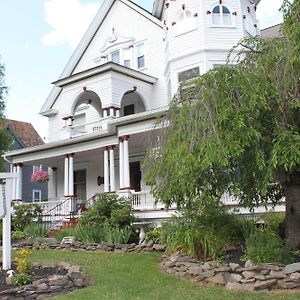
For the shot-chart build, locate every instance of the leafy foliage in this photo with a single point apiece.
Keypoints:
(25, 215)
(108, 210)
(100, 234)
(203, 231)
(22, 279)
(23, 261)
(238, 132)
(4, 137)
(264, 246)
(35, 231)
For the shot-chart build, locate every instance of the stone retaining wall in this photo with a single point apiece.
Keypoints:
(50, 286)
(104, 247)
(233, 276)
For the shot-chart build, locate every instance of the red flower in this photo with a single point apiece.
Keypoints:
(40, 176)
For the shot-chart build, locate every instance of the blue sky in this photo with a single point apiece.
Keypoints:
(37, 37)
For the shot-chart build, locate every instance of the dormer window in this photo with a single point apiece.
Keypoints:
(140, 56)
(185, 22)
(115, 57)
(221, 15)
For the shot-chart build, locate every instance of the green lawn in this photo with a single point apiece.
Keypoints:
(137, 276)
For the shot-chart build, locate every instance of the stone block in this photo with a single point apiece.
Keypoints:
(260, 285)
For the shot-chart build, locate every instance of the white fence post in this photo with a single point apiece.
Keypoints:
(5, 198)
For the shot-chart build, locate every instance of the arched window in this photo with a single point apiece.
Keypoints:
(185, 22)
(221, 15)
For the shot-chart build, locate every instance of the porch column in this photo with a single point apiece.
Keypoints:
(121, 163)
(106, 171)
(71, 175)
(126, 163)
(19, 182)
(14, 183)
(118, 112)
(112, 169)
(111, 112)
(52, 184)
(104, 113)
(66, 176)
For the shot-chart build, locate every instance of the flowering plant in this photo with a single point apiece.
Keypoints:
(40, 176)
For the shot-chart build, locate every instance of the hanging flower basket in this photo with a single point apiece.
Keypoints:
(40, 176)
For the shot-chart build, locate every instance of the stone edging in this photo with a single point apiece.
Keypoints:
(264, 277)
(50, 286)
(104, 247)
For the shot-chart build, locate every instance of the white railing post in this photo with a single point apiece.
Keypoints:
(5, 198)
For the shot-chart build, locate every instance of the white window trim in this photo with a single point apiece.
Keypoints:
(136, 56)
(40, 194)
(186, 69)
(233, 20)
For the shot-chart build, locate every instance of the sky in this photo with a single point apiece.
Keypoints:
(37, 38)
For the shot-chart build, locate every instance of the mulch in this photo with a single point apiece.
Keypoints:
(38, 272)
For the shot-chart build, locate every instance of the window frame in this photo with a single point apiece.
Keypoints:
(40, 195)
(140, 56)
(221, 14)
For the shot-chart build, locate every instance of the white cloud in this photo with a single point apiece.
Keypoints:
(69, 20)
(268, 13)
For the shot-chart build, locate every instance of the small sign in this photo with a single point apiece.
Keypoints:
(3, 208)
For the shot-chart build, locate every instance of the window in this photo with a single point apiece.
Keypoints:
(188, 74)
(127, 57)
(36, 195)
(129, 110)
(80, 184)
(221, 16)
(185, 22)
(140, 56)
(37, 168)
(115, 57)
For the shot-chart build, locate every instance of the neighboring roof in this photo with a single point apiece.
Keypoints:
(86, 40)
(23, 132)
(271, 32)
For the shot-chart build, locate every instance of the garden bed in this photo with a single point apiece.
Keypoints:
(48, 280)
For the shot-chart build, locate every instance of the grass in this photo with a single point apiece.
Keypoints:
(138, 277)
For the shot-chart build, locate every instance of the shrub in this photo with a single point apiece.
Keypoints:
(23, 261)
(108, 210)
(272, 221)
(22, 279)
(18, 235)
(204, 230)
(265, 246)
(26, 214)
(35, 231)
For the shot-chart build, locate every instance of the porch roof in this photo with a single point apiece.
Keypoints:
(108, 67)
(140, 122)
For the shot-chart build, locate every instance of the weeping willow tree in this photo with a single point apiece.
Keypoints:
(238, 131)
(4, 138)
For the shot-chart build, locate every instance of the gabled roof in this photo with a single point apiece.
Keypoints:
(86, 40)
(24, 133)
(271, 32)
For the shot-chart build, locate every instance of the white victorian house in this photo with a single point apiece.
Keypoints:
(103, 108)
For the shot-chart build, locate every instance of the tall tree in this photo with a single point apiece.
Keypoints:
(238, 131)
(4, 137)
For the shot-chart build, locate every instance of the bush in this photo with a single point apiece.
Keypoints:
(25, 215)
(23, 261)
(272, 221)
(108, 210)
(35, 231)
(22, 279)
(18, 235)
(100, 234)
(265, 246)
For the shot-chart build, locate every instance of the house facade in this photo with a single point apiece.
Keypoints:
(23, 135)
(102, 110)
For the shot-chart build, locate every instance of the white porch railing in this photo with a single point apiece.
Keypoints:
(145, 200)
(89, 127)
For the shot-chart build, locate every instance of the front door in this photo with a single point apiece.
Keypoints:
(80, 184)
(135, 176)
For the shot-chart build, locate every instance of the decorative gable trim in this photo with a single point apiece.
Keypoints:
(86, 40)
